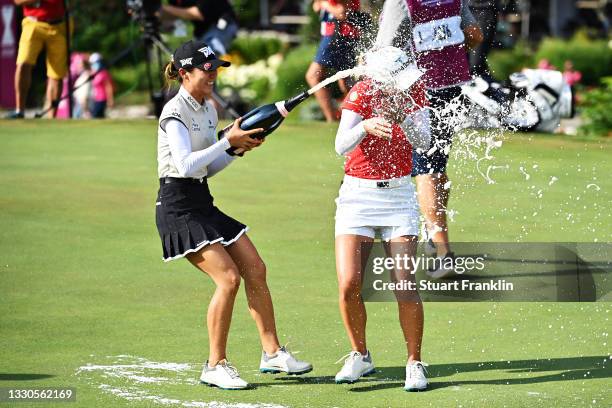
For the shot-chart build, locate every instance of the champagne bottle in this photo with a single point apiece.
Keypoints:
(269, 117)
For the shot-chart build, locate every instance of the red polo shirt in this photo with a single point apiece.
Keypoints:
(48, 10)
(376, 158)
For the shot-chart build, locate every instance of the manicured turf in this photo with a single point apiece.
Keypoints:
(82, 280)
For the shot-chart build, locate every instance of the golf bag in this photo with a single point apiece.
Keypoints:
(534, 99)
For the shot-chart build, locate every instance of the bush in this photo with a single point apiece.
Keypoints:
(311, 32)
(593, 58)
(247, 11)
(250, 82)
(129, 78)
(290, 74)
(505, 62)
(596, 107)
(252, 48)
(102, 26)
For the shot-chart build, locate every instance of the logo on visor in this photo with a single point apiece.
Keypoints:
(186, 61)
(206, 51)
(207, 66)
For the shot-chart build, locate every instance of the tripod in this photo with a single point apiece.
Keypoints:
(154, 48)
(153, 43)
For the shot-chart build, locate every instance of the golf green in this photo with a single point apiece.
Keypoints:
(87, 303)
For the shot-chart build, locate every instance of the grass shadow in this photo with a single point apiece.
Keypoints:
(572, 368)
(292, 379)
(23, 376)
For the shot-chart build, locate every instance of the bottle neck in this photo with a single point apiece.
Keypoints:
(291, 103)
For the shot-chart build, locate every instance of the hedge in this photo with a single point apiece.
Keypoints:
(593, 58)
(291, 73)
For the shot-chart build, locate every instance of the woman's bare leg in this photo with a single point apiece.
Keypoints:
(351, 253)
(253, 271)
(410, 306)
(433, 200)
(217, 263)
(314, 75)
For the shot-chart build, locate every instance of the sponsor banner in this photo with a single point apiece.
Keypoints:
(8, 53)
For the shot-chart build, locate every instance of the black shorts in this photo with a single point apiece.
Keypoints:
(98, 109)
(336, 52)
(441, 134)
(187, 220)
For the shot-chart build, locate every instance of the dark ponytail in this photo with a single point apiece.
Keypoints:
(171, 74)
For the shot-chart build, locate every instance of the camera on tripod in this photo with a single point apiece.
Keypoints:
(145, 13)
(143, 9)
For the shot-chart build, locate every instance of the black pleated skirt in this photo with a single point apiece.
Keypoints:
(187, 220)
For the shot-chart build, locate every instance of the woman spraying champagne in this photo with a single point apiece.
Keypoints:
(191, 226)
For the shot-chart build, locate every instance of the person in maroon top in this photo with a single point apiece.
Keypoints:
(439, 33)
(43, 27)
(383, 119)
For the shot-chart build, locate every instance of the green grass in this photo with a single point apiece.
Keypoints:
(82, 279)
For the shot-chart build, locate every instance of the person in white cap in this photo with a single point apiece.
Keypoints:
(383, 119)
(101, 87)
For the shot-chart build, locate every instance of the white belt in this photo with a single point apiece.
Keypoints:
(367, 183)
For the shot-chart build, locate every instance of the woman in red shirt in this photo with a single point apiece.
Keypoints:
(383, 119)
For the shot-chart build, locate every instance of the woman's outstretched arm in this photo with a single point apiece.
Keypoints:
(188, 163)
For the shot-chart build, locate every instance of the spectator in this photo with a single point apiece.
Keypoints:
(486, 13)
(571, 76)
(79, 69)
(43, 27)
(545, 64)
(214, 21)
(336, 50)
(82, 91)
(102, 87)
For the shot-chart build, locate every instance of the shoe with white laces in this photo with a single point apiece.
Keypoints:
(223, 375)
(356, 365)
(443, 266)
(283, 361)
(415, 376)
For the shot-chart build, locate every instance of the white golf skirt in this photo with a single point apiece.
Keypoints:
(387, 208)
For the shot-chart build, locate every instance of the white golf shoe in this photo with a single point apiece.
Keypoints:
(223, 375)
(356, 365)
(445, 266)
(283, 361)
(415, 376)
